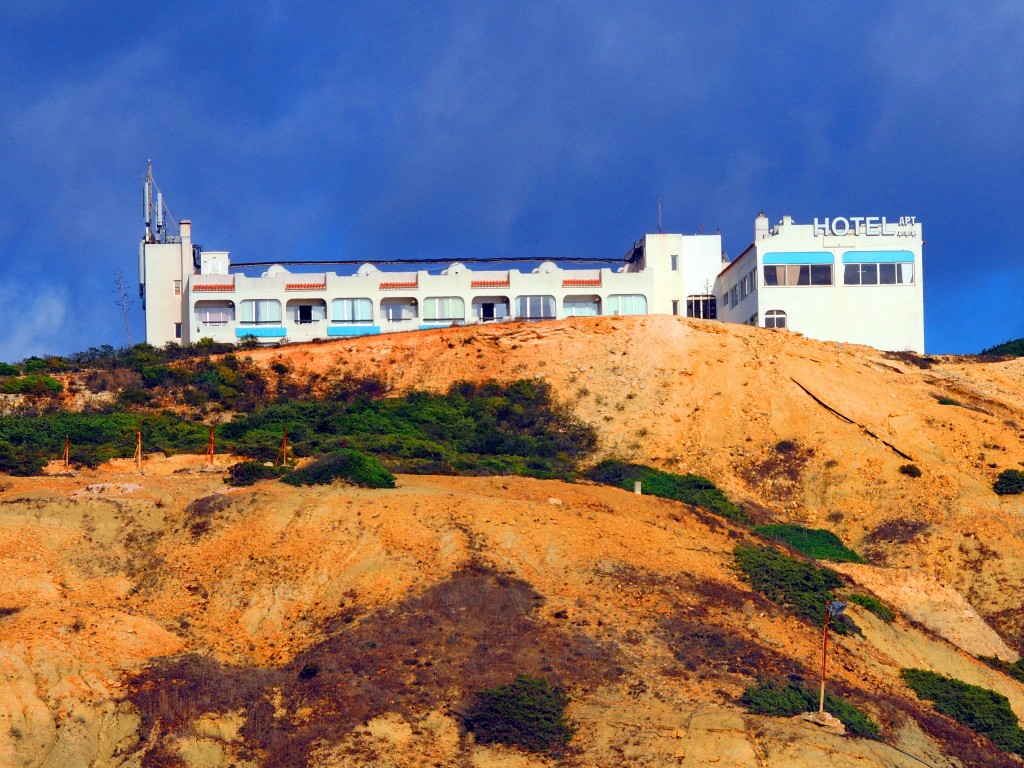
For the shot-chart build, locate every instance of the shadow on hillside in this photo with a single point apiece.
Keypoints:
(478, 629)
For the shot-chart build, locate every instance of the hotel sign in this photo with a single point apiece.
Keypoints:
(865, 225)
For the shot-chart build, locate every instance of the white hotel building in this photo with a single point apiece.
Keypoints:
(835, 280)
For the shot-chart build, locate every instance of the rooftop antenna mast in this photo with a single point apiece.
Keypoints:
(153, 203)
(659, 215)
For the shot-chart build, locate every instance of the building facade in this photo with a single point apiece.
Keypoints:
(859, 282)
(855, 279)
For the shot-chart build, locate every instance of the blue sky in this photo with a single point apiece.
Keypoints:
(351, 129)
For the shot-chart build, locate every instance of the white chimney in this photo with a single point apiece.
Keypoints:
(760, 227)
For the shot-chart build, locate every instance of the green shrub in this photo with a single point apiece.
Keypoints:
(910, 470)
(802, 586)
(1009, 483)
(33, 384)
(873, 604)
(348, 465)
(1014, 669)
(20, 461)
(948, 401)
(6, 369)
(980, 709)
(690, 489)
(527, 713)
(1014, 348)
(248, 472)
(813, 542)
(792, 699)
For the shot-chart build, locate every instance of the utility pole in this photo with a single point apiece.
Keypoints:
(832, 610)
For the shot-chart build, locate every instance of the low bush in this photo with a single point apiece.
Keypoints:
(948, 401)
(527, 713)
(910, 470)
(786, 446)
(980, 709)
(248, 472)
(6, 369)
(873, 604)
(791, 699)
(347, 465)
(1009, 483)
(690, 489)
(813, 542)
(1014, 670)
(32, 384)
(801, 586)
(20, 461)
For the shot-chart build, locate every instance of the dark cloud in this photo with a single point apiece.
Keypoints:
(495, 129)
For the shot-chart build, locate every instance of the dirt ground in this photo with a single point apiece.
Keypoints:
(632, 602)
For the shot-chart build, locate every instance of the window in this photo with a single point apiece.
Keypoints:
(177, 289)
(581, 306)
(261, 312)
(725, 299)
(214, 312)
(733, 301)
(177, 330)
(675, 263)
(704, 307)
(351, 311)
(535, 307)
(878, 274)
(397, 310)
(797, 274)
(774, 318)
(627, 304)
(752, 280)
(743, 288)
(675, 306)
(444, 308)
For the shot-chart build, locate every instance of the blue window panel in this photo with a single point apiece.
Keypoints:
(260, 331)
(798, 257)
(353, 330)
(877, 257)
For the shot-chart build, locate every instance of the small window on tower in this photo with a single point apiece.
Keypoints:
(177, 288)
(675, 263)
(177, 330)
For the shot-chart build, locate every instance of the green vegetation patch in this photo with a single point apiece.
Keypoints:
(249, 472)
(813, 542)
(797, 584)
(347, 465)
(1014, 670)
(792, 699)
(910, 470)
(690, 489)
(474, 429)
(32, 384)
(1013, 348)
(528, 712)
(873, 604)
(1009, 483)
(980, 709)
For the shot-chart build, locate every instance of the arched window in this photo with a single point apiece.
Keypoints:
(774, 318)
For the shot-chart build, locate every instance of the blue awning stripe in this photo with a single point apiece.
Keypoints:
(879, 257)
(798, 257)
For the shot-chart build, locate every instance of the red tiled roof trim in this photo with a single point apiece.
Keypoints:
(489, 284)
(214, 287)
(393, 285)
(580, 283)
(306, 286)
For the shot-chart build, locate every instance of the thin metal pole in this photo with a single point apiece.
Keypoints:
(824, 659)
